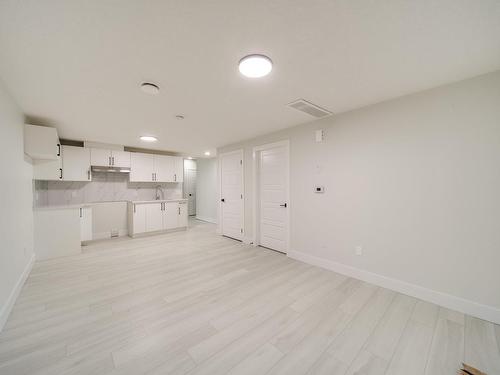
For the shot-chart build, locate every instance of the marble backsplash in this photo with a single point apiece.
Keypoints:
(104, 187)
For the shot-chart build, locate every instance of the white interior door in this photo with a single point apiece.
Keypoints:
(231, 170)
(273, 193)
(190, 190)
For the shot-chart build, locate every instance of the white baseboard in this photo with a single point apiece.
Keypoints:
(7, 308)
(449, 301)
(207, 219)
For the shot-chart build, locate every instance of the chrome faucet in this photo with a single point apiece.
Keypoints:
(159, 190)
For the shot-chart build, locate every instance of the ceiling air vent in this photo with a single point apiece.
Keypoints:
(309, 108)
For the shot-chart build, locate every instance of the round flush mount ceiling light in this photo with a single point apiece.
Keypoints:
(148, 138)
(179, 117)
(207, 153)
(255, 66)
(150, 88)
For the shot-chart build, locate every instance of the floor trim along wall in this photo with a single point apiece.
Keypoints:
(478, 310)
(207, 219)
(7, 308)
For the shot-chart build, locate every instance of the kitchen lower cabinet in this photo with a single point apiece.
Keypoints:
(85, 223)
(171, 216)
(156, 216)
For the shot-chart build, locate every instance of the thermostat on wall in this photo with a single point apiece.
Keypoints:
(319, 189)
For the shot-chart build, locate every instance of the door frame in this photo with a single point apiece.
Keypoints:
(241, 153)
(256, 190)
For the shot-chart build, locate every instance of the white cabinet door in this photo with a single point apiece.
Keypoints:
(231, 193)
(141, 167)
(138, 218)
(178, 169)
(85, 223)
(47, 170)
(164, 168)
(100, 157)
(41, 142)
(154, 217)
(171, 215)
(183, 214)
(76, 163)
(120, 159)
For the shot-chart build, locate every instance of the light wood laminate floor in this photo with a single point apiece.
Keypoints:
(197, 303)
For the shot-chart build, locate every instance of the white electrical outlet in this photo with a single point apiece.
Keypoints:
(359, 250)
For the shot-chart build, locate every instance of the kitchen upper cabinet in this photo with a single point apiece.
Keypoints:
(141, 167)
(109, 158)
(75, 163)
(155, 168)
(178, 169)
(48, 170)
(120, 159)
(41, 142)
(164, 168)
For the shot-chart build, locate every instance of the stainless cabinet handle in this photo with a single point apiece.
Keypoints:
(134, 208)
(112, 160)
(81, 212)
(179, 210)
(58, 149)
(60, 173)
(88, 175)
(175, 177)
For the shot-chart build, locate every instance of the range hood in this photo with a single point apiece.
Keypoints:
(110, 169)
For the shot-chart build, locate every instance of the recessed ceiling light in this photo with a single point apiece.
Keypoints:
(190, 157)
(207, 153)
(150, 88)
(179, 117)
(148, 138)
(255, 66)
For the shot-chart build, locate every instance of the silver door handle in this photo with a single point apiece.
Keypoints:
(283, 205)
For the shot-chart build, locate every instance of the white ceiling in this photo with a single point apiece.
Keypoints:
(78, 64)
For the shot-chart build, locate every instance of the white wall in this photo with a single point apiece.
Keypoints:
(206, 190)
(415, 181)
(16, 200)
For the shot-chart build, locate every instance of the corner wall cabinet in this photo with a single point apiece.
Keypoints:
(41, 142)
(156, 216)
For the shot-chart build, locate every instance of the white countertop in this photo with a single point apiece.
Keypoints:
(81, 205)
(62, 207)
(159, 201)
